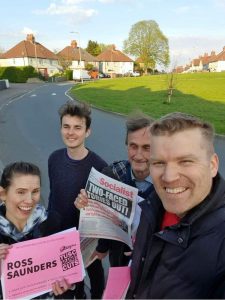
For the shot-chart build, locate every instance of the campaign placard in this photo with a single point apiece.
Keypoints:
(32, 266)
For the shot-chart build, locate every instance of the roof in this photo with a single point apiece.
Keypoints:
(196, 62)
(73, 53)
(139, 60)
(29, 48)
(111, 54)
(220, 56)
(209, 58)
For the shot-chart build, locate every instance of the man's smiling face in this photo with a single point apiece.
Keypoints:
(182, 169)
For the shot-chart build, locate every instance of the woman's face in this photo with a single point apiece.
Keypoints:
(21, 198)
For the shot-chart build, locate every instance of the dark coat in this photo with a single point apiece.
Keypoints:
(186, 260)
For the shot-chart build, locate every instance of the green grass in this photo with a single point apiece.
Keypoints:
(200, 94)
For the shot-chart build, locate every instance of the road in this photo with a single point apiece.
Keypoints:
(30, 130)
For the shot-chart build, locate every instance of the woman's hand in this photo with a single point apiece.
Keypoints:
(60, 287)
(4, 250)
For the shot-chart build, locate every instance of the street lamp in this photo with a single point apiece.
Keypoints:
(81, 77)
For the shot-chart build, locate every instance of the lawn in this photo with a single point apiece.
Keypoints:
(200, 94)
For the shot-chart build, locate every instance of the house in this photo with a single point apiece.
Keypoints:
(217, 63)
(114, 62)
(75, 57)
(31, 53)
(178, 69)
(196, 65)
(140, 62)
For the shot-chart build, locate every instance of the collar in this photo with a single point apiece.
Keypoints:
(202, 218)
(7, 228)
(147, 179)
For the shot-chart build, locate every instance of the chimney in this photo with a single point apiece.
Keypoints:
(206, 54)
(31, 38)
(74, 44)
(213, 53)
(224, 48)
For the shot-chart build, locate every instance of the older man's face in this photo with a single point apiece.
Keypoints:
(138, 147)
(182, 169)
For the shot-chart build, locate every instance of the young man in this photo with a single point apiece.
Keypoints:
(184, 258)
(134, 172)
(68, 172)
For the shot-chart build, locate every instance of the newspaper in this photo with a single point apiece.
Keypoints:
(110, 211)
(88, 246)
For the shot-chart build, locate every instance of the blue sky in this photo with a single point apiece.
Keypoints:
(193, 27)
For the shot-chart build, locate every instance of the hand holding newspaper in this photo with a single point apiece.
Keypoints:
(111, 209)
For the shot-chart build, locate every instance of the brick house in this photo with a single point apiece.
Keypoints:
(114, 62)
(75, 57)
(31, 53)
(217, 63)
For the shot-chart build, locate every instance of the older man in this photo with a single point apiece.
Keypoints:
(134, 172)
(183, 256)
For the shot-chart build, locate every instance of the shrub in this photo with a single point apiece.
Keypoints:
(17, 74)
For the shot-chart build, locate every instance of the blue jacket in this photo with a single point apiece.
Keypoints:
(186, 260)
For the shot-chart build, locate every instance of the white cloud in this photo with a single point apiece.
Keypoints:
(27, 30)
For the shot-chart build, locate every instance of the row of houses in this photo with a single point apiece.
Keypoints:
(208, 62)
(31, 53)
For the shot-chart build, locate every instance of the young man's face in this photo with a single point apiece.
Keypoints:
(138, 147)
(182, 169)
(74, 132)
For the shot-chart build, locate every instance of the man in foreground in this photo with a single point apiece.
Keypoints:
(183, 257)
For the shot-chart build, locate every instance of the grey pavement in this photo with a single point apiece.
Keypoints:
(16, 90)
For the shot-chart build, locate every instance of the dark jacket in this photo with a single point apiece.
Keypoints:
(186, 260)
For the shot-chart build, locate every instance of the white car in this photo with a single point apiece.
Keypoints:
(134, 74)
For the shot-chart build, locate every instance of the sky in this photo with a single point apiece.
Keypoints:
(193, 27)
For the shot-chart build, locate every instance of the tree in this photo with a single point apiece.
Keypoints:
(147, 42)
(93, 48)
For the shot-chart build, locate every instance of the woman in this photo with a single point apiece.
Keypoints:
(21, 217)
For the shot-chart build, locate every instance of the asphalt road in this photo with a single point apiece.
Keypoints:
(29, 128)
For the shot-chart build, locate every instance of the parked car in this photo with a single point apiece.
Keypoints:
(104, 75)
(132, 74)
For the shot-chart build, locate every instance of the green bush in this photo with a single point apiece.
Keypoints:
(17, 74)
(69, 74)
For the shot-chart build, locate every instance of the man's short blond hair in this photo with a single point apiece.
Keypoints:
(177, 122)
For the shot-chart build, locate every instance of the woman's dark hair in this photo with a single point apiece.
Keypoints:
(23, 168)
